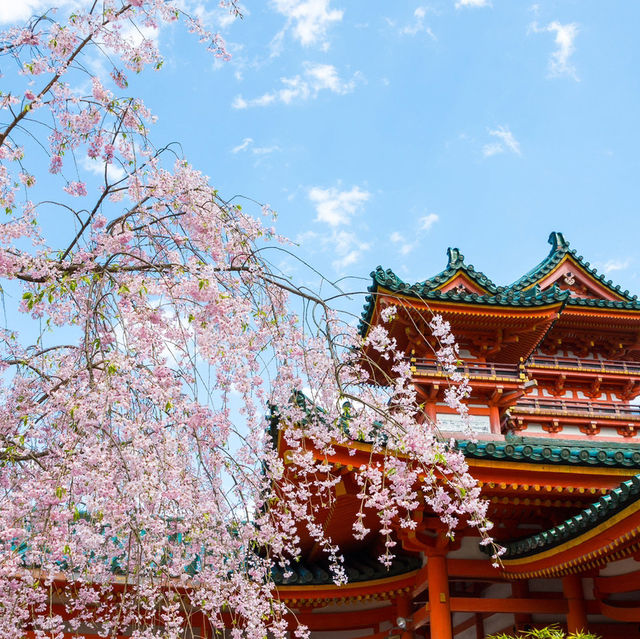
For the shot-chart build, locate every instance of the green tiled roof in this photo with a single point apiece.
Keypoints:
(457, 265)
(512, 295)
(359, 567)
(560, 248)
(425, 291)
(598, 512)
(555, 452)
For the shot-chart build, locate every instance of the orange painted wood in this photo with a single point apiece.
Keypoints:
(347, 620)
(520, 589)
(530, 605)
(403, 610)
(439, 601)
(577, 613)
(620, 614)
(420, 617)
(302, 593)
(473, 568)
(619, 583)
(580, 549)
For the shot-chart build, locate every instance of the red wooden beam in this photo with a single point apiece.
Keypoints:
(343, 620)
(420, 617)
(620, 614)
(530, 605)
(618, 583)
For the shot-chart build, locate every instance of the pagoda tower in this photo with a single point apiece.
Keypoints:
(554, 365)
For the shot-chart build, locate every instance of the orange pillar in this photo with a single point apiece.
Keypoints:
(494, 419)
(479, 622)
(520, 590)
(439, 607)
(430, 410)
(403, 609)
(577, 615)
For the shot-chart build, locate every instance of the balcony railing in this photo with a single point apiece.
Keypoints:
(584, 365)
(576, 408)
(474, 370)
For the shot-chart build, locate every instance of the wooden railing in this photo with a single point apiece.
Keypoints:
(586, 365)
(470, 369)
(577, 407)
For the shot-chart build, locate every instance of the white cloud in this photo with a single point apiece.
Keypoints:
(239, 102)
(424, 224)
(21, 10)
(427, 221)
(560, 60)
(315, 78)
(308, 20)
(348, 248)
(245, 144)
(135, 35)
(264, 150)
(472, 3)
(616, 265)
(506, 142)
(336, 207)
(404, 247)
(418, 24)
(248, 145)
(96, 166)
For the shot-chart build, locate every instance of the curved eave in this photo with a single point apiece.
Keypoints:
(384, 588)
(550, 453)
(607, 529)
(387, 283)
(632, 306)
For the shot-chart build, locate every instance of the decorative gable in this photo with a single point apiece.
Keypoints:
(462, 285)
(568, 271)
(571, 276)
(461, 278)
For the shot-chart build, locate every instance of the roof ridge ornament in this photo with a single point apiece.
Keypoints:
(456, 258)
(557, 241)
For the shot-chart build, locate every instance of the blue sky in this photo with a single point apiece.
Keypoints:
(383, 132)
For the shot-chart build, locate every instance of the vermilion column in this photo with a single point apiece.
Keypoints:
(577, 615)
(520, 589)
(430, 410)
(494, 419)
(439, 607)
(403, 609)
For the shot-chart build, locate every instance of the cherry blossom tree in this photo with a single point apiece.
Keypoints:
(147, 345)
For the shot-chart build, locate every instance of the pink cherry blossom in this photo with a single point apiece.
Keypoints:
(149, 360)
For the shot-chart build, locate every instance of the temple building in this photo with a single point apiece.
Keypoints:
(554, 365)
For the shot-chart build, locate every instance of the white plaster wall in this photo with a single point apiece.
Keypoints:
(619, 567)
(469, 549)
(498, 622)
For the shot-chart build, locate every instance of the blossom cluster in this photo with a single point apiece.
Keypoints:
(141, 483)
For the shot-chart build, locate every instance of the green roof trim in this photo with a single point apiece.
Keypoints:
(388, 280)
(513, 295)
(455, 265)
(554, 452)
(598, 512)
(559, 248)
(359, 567)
